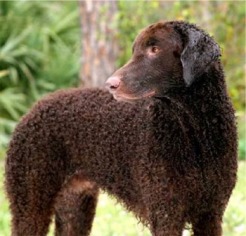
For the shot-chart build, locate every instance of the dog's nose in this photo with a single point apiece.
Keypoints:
(112, 83)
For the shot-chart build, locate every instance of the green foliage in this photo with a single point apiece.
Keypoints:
(242, 137)
(39, 51)
(242, 149)
(234, 220)
(12, 105)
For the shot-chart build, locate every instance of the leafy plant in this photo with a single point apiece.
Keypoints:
(12, 105)
(39, 53)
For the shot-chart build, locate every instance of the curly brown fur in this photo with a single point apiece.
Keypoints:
(170, 157)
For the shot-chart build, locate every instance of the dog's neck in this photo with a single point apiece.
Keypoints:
(204, 98)
(209, 89)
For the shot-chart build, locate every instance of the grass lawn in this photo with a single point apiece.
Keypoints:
(112, 220)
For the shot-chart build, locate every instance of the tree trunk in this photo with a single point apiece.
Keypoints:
(99, 41)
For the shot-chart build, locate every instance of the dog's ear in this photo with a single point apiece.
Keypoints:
(200, 50)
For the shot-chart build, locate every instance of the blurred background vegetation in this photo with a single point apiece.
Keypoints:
(40, 51)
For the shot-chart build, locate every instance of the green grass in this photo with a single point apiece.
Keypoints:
(112, 220)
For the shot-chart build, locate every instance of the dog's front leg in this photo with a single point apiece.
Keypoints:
(164, 205)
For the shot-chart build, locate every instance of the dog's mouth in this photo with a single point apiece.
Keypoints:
(132, 97)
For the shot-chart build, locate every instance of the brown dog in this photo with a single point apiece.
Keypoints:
(170, 157)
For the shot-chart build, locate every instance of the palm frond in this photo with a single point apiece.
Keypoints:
(12, 103)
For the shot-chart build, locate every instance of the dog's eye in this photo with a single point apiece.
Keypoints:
(154, 49)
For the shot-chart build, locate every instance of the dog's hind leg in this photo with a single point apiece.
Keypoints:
(32, 193)
(34, 174)
(75, 208)
(165, 220)
(208, 224)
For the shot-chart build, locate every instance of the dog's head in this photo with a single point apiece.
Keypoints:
(165, 56)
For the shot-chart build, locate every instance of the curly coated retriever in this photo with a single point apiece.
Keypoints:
(170, 155)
